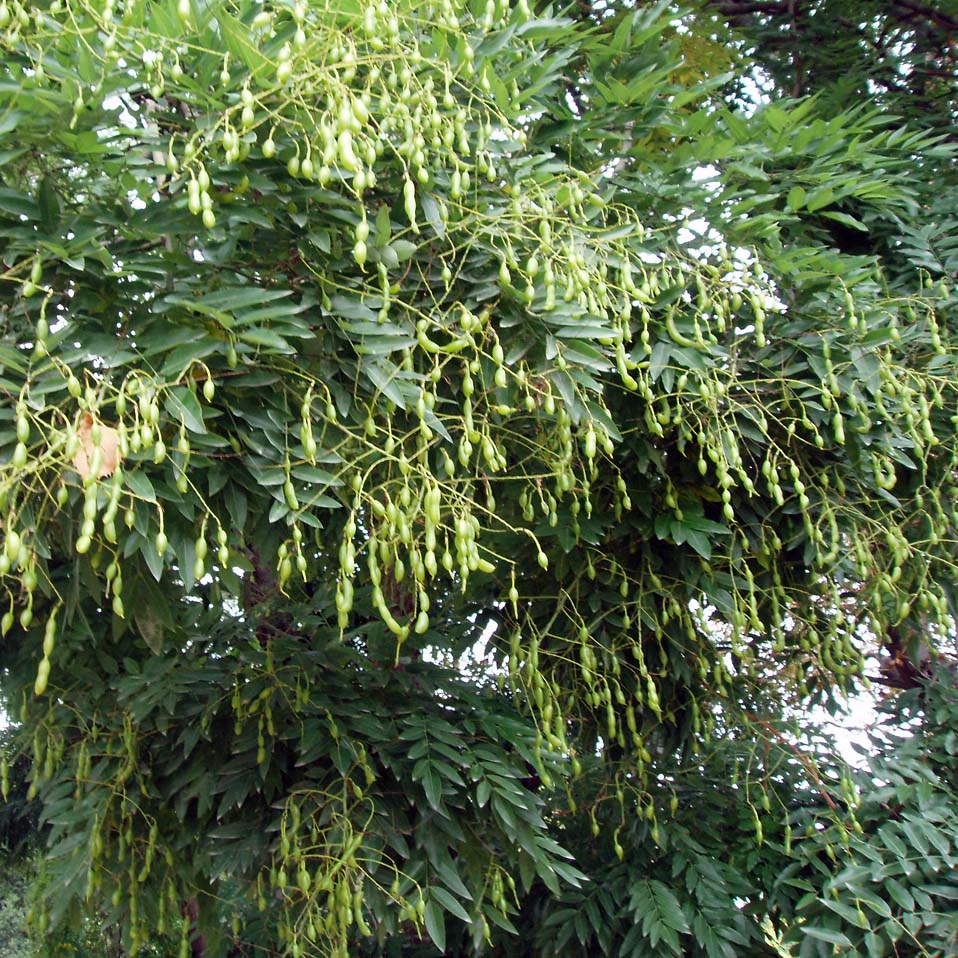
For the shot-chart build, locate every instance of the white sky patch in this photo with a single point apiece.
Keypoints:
(851, 728)
(476, 658)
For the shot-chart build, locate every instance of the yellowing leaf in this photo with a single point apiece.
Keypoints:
(85, 457)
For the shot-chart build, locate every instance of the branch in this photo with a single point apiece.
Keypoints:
(915, 8)
(807, 763)
(905, 10)
(737, 8)
(797, 66)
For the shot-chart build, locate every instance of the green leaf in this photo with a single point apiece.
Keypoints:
(796, 198)
(894, 844)
(916, 835)
(267, 338)
(435, 922)
(185, 407)
(446, 869)
(383, 227)
(936, 837)
(238, 40)
(669, 907)
(403, 249)
(430, 209)
(139, 484)
(942, 891)
(449, 903)
(432, 786)
(850, 914)
(661, 354)
(150, 613)
(819, 198)
(154, 561)
(49, 202)
(829, 935)
(19, 204)
(900, 894)
(846, 220)
(699, 542)
(706, 937)
(878, 905)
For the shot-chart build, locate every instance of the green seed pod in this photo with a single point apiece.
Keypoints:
(49, 636)
(345, 153)
(409, 204)
(43, 676)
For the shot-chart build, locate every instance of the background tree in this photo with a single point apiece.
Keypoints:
(337, 340)
(897, 56)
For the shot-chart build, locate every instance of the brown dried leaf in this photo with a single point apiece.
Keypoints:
(109, 449)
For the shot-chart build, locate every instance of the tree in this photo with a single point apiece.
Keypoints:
(896, 55)
(339, 339)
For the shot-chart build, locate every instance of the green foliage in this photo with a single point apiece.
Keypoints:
(18, 814)
(341, 338)
(23, 880)
(340, 777)
(884, 881)
(895, 59)
(13, 908)
(774, 860)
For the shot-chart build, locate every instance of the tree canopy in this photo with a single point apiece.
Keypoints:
(447, 450)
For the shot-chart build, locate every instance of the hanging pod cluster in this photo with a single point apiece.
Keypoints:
(588, 328)
(818, 509)
(67, 455)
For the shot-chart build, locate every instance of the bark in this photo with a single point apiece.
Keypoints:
(197, 939)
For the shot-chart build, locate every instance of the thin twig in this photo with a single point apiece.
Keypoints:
(807, 763)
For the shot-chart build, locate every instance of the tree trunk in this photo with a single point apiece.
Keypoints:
(197, 940)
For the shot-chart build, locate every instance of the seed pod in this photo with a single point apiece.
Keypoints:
(345, 153)
(409, 203)
(49, 635)
(43, 675)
